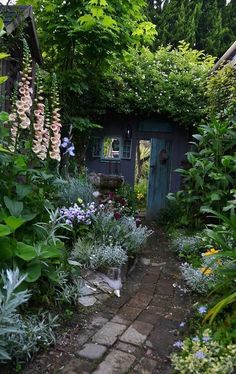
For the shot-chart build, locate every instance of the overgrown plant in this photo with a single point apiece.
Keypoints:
(211, 173)
(20, 336)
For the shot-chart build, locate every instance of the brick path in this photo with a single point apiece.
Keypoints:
(131, 334)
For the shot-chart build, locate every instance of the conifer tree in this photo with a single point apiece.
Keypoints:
(208, 25)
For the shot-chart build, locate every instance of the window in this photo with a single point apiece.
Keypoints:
(127, 149)
(111, 148)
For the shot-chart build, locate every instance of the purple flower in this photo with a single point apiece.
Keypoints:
(202, 309)
(178, 344)
(200, 354)
(195, 339)
(206, 338)
(65, 142)
(71, 150)
(182, 324)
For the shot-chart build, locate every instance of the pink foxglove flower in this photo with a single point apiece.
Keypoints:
(55, 124)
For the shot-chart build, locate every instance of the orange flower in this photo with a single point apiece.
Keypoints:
(210, 252)
(206, 271)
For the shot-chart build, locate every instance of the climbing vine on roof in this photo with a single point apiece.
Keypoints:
(168, 81)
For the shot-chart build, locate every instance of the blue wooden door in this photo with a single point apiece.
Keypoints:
(159, 176)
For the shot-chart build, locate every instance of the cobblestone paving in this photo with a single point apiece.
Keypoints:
(131, 334)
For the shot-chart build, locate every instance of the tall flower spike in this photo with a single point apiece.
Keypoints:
(19, 117)
(55, 140)
(41, 133)
(24, 102)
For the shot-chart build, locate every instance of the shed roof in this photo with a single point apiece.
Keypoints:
(13, 15)
(229, 55)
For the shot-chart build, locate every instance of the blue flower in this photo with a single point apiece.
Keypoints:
(182, 324)
(71, 150)
(65, 142)
(206, 338)
(178, 344)
(195, 339)
(202, 309)
(200, 354)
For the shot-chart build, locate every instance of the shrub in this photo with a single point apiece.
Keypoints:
(123, 232)
(72, 189)
(82, 251)
(21, 336)
(105, 256)
(211, 173)
(203, 354)
(198, 280)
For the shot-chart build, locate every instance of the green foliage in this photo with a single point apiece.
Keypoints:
(168, 81)
(79, 41)
(20, 336)
(224, 237)
(221, 92)
(210, 176)
(204, 355)
(206, 25)
(10, 300)
(74, 188)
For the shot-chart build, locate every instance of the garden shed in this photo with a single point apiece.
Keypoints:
(113, 152)
(19, 23)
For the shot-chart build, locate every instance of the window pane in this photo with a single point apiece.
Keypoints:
(111, 148)
(127, 148)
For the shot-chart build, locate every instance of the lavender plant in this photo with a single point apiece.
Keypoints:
(123, 232)
(184, 244)
(71, 189)
(10, 300)
(76, 214)
(105, 256)
(197, 280)
(21, 336)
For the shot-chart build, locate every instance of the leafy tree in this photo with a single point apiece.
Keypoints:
(169, 81)
(221, 92)
(80, 39)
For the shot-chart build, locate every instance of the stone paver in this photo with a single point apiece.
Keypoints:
(116, 362)
(126, 347)
(76, 366)
(137, 333)
(163, 336)
(129, 313)
(108, 334)
(132, 334)
(87, 300)
(140, 300)
(92, 351)
(145, 366)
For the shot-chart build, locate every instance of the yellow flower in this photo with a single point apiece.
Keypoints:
(140, 196)
(210, 252)
(206, 271)
(79, 200)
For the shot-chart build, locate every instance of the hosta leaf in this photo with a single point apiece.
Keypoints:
(25, 251)
(14, 222)
(34, 272)
(4, 230)
(23, 190)
(15, 207)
